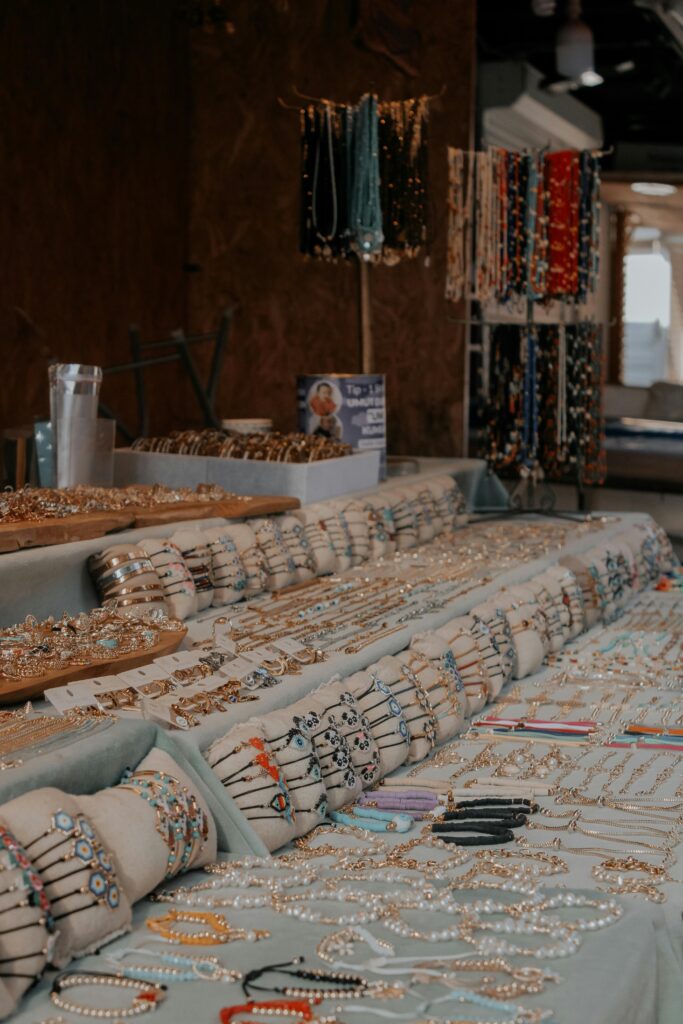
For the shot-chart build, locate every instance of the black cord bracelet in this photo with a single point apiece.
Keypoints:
(501, 836)
(495, 801)
(485, 814)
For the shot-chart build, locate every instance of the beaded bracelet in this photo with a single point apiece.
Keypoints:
(149, 994)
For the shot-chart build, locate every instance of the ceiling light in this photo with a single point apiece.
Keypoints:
(590, 78)
(624, 66)
(543, 8)
(653, 188)
(574, 44)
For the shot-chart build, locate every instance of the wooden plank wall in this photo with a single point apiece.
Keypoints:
(301, 316)
(94, 111)
(133, 146)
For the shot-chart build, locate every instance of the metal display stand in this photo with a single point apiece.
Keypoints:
(181, 345)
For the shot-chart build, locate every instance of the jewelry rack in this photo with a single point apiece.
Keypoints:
(365, 339)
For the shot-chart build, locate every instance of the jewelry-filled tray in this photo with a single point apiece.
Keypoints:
(27, 687)
(33, 533)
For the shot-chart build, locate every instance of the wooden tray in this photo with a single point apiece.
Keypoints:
(41, 532)
(88, 525)
(14, 690)
(231, 508)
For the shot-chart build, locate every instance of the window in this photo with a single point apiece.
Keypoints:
(647, 315)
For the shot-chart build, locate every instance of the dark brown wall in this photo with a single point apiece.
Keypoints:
(131, 145)
(301, 316)
(93, 171)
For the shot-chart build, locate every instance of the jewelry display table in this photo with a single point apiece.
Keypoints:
(592, 694)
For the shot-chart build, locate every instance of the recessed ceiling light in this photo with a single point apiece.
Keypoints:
(653, 188)
(590, 78)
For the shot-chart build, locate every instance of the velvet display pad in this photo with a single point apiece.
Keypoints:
(26, 941)
(246, 766)
(635, 539)
(325, 517)
(279, 566)
(293, 747)
(194, 547)
(383, 712)
(179, 589)
(322, 721)
(90, 906)
(228, 573)
(493, 618)
(297, 545)
(336, 699)
(313, 519)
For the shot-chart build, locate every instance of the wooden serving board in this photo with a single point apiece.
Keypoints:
(231, 508)
(41, 532)
(15, 690)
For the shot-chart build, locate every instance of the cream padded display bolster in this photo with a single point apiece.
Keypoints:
(179, 588)
(337, 697)
(58, 837)
(279, 566)
(436, 691)
(298, 547)
(404, 519)
(523, 596)
(321, 720)
(132, 579)
(553, 583)
(355, 519)
(380, 528)
(421, 503)
(196, 553)
(549, 606)
(318, 538)
(228, 572)
(591, 610)
(495, 619)
(26, 940)
(477, 659)
(135, 831)
(251, 556)
(449, 502)
(243, 762)
(296, 755)
(529, 649)
(383, 712)
(321, 519)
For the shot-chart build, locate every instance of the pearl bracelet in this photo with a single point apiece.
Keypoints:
(149, 995)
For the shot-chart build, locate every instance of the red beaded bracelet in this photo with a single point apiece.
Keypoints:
(302, 1008)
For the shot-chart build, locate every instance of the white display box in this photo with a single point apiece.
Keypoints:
(309, 481)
